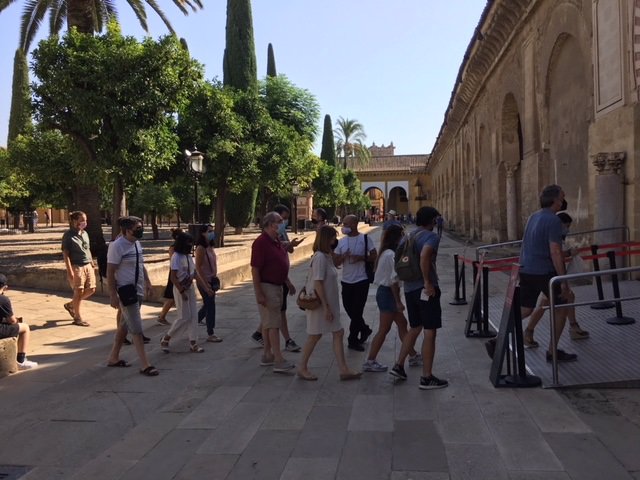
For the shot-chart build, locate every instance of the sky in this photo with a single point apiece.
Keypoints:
(389, 64)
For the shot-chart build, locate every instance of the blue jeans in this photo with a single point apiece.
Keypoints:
(208, 310)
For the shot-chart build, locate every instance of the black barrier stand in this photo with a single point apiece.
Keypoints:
(619, 319)
(479, 301)
(459, 275)
(511, 331)
(596, 268)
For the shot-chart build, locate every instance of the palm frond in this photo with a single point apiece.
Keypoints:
(160, 13)
(57, 16)
(141, 14)
(5, 3)
(32, 15)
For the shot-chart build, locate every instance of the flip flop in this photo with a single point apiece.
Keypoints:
(81, 323)
(309, 377)
(69, 308)
(119, 363)
(150, 371)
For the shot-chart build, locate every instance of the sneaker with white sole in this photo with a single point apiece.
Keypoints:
(27, 365)
(415, 360)
(373, 366)
(257, 338)
(291, 346)
(398, 372)
(431, 383)
(283, 366)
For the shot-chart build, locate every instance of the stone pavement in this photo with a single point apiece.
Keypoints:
(218, 415)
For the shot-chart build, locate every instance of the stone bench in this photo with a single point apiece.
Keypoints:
(8, 353)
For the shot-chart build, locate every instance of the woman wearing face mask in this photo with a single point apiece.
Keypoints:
(207, 271)
(389, 301)
(169, 303)
(182, 274)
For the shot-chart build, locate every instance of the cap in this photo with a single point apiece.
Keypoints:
(3, 280)
(391, 212)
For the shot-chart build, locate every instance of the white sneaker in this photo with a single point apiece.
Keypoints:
(27, 365)
(374, 366)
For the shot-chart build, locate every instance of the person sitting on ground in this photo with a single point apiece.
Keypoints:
(575, 332)
(12, 326)
(389, 301)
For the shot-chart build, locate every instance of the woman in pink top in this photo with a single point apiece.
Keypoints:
(207, 270)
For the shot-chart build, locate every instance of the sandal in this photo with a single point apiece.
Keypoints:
(80, 323)
(195, 348)
(576, 333)
(307, 376)
(150, 371)
(69, 308)
(350, 376)
(119, 363)
(164, 345)
(214, 339)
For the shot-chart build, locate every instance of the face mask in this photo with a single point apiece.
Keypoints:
(211, 236)
(282, 228)
(563, 206)
(82, 225)
(138, 232)
(314, 220)
(346, 230)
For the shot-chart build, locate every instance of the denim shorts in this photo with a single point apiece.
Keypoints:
(385, 299)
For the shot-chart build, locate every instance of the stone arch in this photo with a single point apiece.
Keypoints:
(512, 152)
(398, 200)
(569, 113)
(377, 198)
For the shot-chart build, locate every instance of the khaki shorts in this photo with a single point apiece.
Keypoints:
(83, 277)
(270, 316)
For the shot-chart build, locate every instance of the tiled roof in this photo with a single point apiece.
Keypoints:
(410, 163)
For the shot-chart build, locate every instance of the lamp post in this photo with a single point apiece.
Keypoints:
(195, 164)
(295, 189)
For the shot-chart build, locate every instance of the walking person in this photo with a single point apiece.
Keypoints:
(128, 283)
(270, 272)
(350, 253)
(208, 282)
(389, 301)
(169, 302)
(323, 280)
(439, 224)
(79, 264)
(422, 298)
(183, 272)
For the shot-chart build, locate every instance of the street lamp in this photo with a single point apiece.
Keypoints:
(295, 189)
(195, 163)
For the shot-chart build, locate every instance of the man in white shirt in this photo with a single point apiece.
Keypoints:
(350, 253)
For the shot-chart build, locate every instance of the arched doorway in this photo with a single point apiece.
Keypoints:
(376, 196)
(512, 152)
(398, 201)
(569, 119)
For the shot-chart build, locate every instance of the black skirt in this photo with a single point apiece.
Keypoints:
(168, 290)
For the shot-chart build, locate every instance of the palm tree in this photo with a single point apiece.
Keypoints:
(350, 142)
(87, 16)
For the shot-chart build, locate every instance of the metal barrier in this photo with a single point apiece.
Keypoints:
(552, 306)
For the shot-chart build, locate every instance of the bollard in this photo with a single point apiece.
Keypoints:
(458, 300)
(464, 282)
(619, 319)
(596, 268)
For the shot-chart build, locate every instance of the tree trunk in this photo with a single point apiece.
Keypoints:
(80, 14)
(154, 224)
(219, 220)
(119, 205)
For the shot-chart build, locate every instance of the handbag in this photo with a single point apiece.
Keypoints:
(128, 294)
(215, 281)
(368, 266)
(305, 300)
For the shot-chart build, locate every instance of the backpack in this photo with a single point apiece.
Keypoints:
(407, 260)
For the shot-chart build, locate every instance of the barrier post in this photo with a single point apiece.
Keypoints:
(463, 275)
(596, 268)
(619, 319)
(458, 300)
(485, 299)
(474, 315)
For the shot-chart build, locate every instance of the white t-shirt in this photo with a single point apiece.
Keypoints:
(385, 271)
(184, 267)
(353, 272)
(122, 253)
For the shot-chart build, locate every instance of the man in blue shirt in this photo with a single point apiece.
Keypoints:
(423, 303)
(541, 258)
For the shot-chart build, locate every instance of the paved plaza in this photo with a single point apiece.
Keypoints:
(219, 415)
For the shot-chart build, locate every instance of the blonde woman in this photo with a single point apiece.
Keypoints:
(323, 279)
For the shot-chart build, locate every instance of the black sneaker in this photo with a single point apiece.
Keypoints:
(257, 337)
(145, 339)
(365, 334)
(398, 372)
(355, 346)
(562, 356)
(431, 383)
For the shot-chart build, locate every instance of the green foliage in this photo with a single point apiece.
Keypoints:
(329, 187)
(351, 139)
(240, 207)
(115, 97)
(152, 197)
(13, 191)
(239, 62)
(328, 152)
(355, 201)
(20, 113)
(271, 62)
(293, 106)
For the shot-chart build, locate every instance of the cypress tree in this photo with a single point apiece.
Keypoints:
(271, 62)
(240, 71)
(20, 114)
(328, 152)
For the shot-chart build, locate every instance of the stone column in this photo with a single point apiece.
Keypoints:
(512, 205)
(609, 200)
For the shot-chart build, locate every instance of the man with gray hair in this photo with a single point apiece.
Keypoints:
(270, 273)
